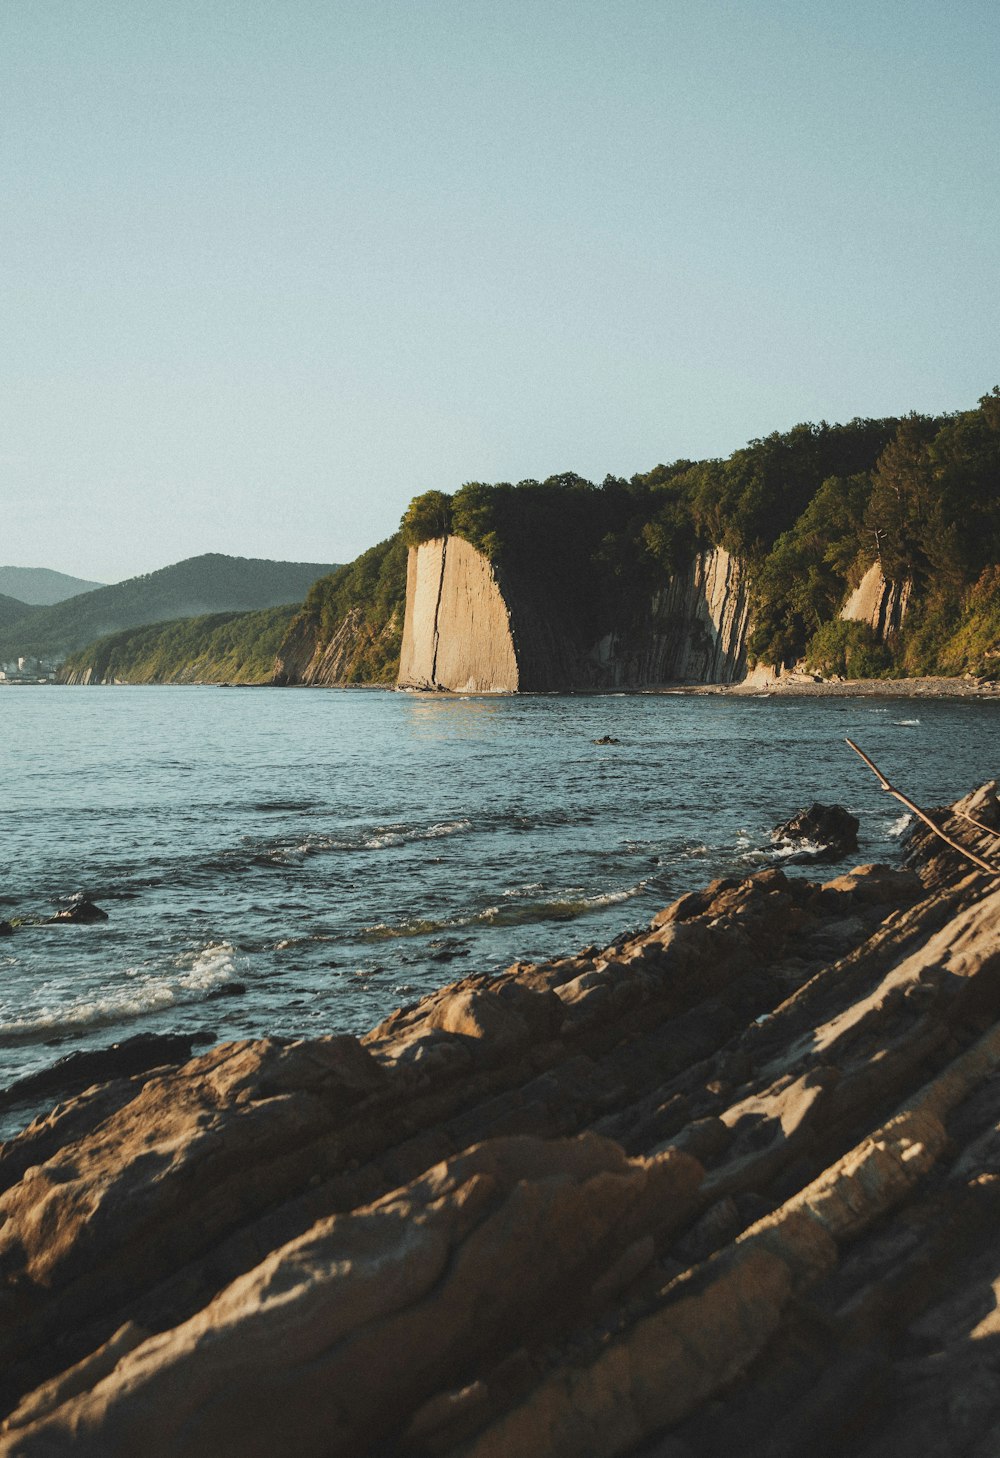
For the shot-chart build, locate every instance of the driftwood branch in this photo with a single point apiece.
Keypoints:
(922, 814)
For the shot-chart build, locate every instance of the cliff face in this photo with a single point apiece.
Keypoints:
(473, 629)
(457, 632)
(880, 604)
(697, 631)
(306, 657)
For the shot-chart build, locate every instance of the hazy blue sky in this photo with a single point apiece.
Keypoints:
(269, 269)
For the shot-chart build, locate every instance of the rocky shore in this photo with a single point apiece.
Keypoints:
(730, 1184)
(807, 686)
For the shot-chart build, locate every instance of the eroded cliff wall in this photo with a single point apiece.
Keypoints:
(473, 629)
(308, 657)
(696, 633)
(457, 631)
(880, 604)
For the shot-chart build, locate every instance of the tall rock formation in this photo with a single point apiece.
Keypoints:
(697, 630)
(457, 631)
(472, 627)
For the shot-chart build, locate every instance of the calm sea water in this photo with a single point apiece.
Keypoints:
(341, 852)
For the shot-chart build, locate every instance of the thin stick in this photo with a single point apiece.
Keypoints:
(898, 794)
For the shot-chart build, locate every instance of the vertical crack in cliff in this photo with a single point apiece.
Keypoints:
(437, 612)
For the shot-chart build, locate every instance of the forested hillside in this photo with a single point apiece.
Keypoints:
(12, 610)
(808, 511)
(212, 583)
(220, 648)
(361, 605)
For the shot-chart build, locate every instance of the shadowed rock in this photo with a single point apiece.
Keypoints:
(730, 1184)
(82, 912)
(821, 833)
(78, 1071)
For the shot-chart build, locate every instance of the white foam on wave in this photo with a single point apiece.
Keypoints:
(382, 838)
(392, 836)
(783, 849)
(520, 907)
(141, 991)
(905, 723)
(898, 826)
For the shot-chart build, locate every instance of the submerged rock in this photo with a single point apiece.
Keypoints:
(78, 1071)
(729, 1184)
(6, 929)
(82, 912)
(822, 833)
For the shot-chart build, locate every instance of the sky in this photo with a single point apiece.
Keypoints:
(269, 268)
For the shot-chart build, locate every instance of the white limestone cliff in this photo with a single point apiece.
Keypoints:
(469, 630)
(877, 602)
(457, 631)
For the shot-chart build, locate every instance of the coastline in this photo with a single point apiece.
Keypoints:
(804, 686)
(714, 1179)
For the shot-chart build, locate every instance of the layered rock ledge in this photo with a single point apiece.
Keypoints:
(727, 1185)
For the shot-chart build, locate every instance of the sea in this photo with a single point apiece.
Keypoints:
(302, 861)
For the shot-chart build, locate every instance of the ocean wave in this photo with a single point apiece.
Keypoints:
(511, 911)
(401, 835)
(906, 723)
(283, 852)
(141, 992)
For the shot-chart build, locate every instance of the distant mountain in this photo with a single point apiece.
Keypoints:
(40, 586)
(11, 610)
(212, 583)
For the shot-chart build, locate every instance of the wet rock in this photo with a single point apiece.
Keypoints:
(82, 912)
(6, 929)
(78, 1071)
(729, 1184)
(821, 833)
(607, 739)
(227, 989)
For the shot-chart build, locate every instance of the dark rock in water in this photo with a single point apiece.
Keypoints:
(607, 739)
(6, 930)
(78, 1071)
(824, 833)
(228, 989)
(82, 913)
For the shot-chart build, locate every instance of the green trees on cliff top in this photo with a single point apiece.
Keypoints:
(808, 510)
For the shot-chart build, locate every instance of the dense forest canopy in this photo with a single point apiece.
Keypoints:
(808, 511)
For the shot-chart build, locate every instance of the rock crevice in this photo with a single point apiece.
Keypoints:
(730, 1183)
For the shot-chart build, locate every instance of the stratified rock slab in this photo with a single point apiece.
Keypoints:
(730, 1184)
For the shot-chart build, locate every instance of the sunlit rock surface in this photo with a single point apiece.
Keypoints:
(880, 604)
(730, 1184)
(470, 628)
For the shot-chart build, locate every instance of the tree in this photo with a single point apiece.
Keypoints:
(426, 516)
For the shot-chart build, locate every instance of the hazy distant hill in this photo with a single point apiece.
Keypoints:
(40, 586)
(11, 610)
(212, 583)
